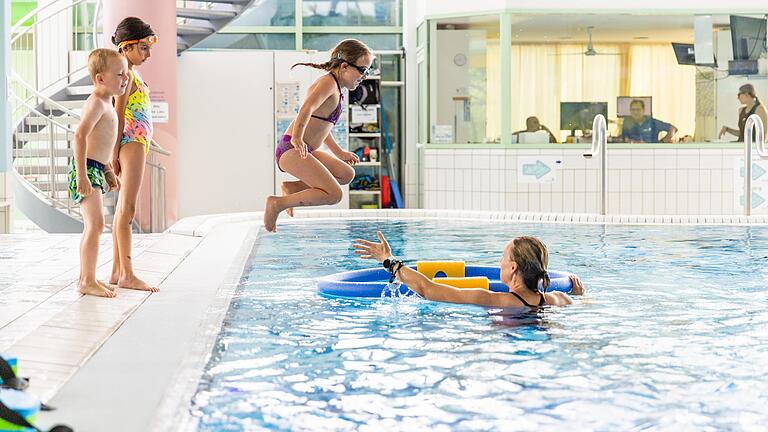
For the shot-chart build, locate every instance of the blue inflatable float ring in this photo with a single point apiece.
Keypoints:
(372, 283)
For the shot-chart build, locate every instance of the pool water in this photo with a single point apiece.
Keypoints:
(672, 335)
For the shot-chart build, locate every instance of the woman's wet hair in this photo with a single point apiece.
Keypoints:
(350, 50)
(131, 28)
(532, 259)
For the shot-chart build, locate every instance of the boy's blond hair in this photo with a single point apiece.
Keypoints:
(98, 60)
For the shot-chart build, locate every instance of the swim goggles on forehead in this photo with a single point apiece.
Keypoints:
(149, 40)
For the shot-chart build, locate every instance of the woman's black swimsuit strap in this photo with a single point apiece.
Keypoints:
(541, 301)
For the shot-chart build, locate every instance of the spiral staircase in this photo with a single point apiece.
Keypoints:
(46, 98)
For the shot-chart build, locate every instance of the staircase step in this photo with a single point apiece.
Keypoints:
(204, 14)
(35, 170)
(45, 186)
(68, 104)
(187, 29)
(41, 153)
(84, 90)
(43, 121)
(43, 136)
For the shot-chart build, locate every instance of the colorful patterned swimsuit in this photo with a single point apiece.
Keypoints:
(138, 115)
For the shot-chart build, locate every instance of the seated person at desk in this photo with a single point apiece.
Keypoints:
(532, 124)
(644, 129)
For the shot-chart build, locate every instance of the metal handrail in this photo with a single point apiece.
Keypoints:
(600, 146)
(33, 13)
(754, 125)
(95, 32)
(59, 107)
(43, 115)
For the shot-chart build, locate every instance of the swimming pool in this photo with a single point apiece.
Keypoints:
(673, 335)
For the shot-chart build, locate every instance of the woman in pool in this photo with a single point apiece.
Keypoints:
(523, 266)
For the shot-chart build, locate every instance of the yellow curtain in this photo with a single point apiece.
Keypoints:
(493, 95)
(654, 72)
(543, 75)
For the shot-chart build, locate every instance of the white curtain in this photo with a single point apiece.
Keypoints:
(543, 75)
(654, 72)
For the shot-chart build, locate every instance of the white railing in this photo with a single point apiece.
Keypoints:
(44, 128)
(754, 125)
(600, 146)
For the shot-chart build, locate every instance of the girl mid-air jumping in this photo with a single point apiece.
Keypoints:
(320, 173)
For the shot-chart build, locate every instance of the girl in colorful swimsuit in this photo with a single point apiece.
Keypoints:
(134, 39)
(320, 173)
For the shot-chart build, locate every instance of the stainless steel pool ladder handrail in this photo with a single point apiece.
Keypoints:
(754, 123)
(600, 146)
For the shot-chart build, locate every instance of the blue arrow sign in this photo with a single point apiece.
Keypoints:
(757, 171)
(757, 200)
(539, 169)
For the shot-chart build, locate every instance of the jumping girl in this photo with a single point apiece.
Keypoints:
(320, 173)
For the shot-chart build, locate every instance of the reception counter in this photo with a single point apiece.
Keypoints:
(643, 179)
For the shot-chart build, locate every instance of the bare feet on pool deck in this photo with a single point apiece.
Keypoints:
(271, 210)
(114, 279)
(286, 191)
(95, 289)
(109, 286)
(135, 283)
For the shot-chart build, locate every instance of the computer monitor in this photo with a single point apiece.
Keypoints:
(686, 54)
(579, 115)
(623, 104)
(748, 37)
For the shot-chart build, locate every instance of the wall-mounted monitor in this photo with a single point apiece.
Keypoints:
(686, 55)
(748, 37)
(579, 115)
(624, 105)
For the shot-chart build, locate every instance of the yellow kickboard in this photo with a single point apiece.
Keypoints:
(464, 282)
(431, 269)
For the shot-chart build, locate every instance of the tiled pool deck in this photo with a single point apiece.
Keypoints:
(46, 323)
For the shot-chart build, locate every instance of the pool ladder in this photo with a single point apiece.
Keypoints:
(600, 146)
(754, 123)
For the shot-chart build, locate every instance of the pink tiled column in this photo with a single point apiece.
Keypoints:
(160, 74)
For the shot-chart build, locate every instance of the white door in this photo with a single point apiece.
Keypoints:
(226, 131)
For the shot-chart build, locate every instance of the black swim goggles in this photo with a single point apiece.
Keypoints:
(364, 71)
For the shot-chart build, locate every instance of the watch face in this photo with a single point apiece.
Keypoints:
(459, 59)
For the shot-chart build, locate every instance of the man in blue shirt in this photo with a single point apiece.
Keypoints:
(644, 129)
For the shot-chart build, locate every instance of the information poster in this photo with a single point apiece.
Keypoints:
(288, 99)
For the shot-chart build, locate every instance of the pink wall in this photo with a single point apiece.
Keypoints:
(160, 74)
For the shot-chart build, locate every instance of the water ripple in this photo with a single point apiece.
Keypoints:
(673, 336)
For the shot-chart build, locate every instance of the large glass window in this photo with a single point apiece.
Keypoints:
(339, 13)
(313, 24)
(656, 78)
(466, 69)
(276, 41)
(640, 71)
(326, 41)
(269, 13)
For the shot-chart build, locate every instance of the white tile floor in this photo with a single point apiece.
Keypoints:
(46, 323)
